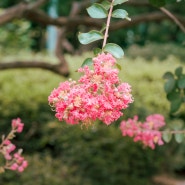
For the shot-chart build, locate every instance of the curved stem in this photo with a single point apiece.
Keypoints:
(108, 24)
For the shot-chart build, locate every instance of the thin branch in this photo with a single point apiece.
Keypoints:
(61, 33)
(18, 10)
(71, 23)
(173, 17)
(56, 68)
(108, 24)
(154, 16)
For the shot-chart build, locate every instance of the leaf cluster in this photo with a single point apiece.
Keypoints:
(175, 88)
(101, 11)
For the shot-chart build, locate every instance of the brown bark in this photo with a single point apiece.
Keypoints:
(19, 10)
(56, 68)
(73, 22)
(167, 180)
(59, 50)
(24, 11)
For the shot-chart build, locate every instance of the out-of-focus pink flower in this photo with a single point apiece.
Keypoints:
(14, 161)
(17, 125)
(148, 132)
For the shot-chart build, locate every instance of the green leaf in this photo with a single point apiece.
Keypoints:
(116, 2)
(174, 95)
(106, 4)
(168, 75)
(118, 66)
(114, 49)
(181, 82)
(175, 105)
(167, 136)
(97, 51)
(86, 38)
(177, 124)
(158, 3)
(103, 27)
(120, 13)
(87, 62)
(97, 11)
(170, 83)
(178, 71)
(179, 137)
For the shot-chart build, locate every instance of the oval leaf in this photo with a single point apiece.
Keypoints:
(97, 11)
(97, 51)
(87, 62)
(168, 75)
(179, 137)
(118, 66)
(178, 71)
(116, 2)
(106, 4)
(175, 105)
(120, 13)
(169, 85)
(181, 83)
(174, 95)
(114, 49)
(86, 38)
(177, 124)
(167, 136)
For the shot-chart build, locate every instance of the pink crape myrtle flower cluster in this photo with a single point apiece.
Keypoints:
(98, 94)
(148, 132)
(14, 160)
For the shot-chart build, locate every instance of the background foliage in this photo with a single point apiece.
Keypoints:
(59, 153)
(31, 35)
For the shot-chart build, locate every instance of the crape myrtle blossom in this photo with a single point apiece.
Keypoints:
(14, 160)
(98, 94)
(147, 133)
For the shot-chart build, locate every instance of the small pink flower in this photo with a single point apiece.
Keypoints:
(24, 164)
(6, 142)
(17, 125)
(20, 169)
(14, 166)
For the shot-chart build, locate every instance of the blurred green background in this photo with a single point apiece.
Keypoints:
(61, 154)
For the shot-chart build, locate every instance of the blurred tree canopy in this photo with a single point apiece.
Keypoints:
(23, 25)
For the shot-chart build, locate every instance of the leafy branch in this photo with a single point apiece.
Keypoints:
(101, 11)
